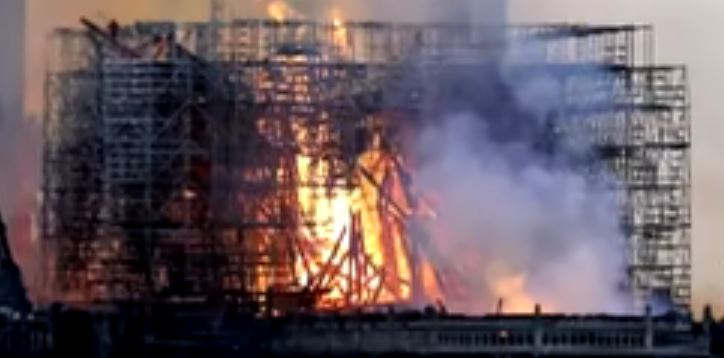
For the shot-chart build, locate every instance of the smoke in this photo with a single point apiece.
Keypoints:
(517, 218)
(19, 141)
(11, 88)
(506, 218)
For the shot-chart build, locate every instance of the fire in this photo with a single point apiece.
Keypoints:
(351, 242)
(280, 11)
(352, 246)
(513, 293)
(340, 34)
(357, 247)
(351, 239)
(430, 282)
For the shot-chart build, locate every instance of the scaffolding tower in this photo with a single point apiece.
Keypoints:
(172, 155)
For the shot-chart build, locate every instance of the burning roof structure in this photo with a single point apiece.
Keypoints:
(266, 163)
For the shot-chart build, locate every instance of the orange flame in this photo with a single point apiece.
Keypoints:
(351, 244)
(364, 261)
(512, 290)
(280, 11)
(340, 34)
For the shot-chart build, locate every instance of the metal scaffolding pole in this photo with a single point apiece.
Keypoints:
(182, 164)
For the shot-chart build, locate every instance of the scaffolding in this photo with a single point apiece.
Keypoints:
(178, 157)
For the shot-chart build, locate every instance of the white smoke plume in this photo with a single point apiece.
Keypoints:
(518, 222)
(513, 228)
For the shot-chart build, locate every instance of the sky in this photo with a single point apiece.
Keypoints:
(687, 32)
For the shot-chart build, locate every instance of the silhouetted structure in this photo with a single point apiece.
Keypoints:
(12, 291)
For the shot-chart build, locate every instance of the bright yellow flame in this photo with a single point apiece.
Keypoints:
(382, 272)
(352, 236)
(328, 210)
(340, 34)
(512, 290)
(280, 11)
(338, 23)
